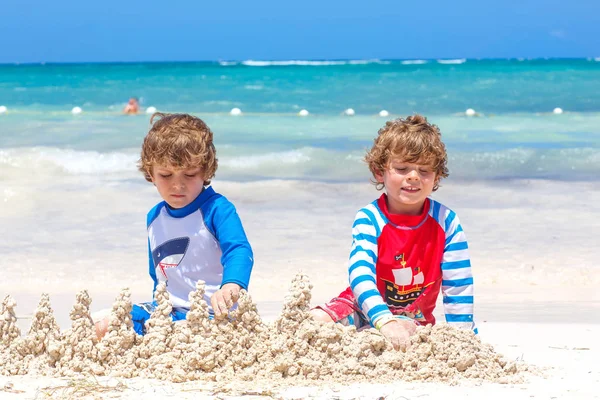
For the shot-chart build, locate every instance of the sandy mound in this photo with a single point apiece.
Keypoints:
(290, 350)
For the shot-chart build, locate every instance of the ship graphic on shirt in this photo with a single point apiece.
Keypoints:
(406, 287)
(169, 255)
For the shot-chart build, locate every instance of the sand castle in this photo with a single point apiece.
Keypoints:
(241, 347)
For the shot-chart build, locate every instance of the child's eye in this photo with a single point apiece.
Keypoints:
(190, 175)
(423, 170)
(164, 175)
(401, 169)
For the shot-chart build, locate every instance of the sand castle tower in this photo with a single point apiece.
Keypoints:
(9, 331)
(154, 356)
(10, 336)
(79, 352)
(116, 348)
(41, 347)
(198, 353)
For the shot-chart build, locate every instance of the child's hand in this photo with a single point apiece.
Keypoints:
(398, 332)
(224, 298)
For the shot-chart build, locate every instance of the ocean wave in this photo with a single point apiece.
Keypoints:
(239, 162)
(414, 62)
(528, 163)
(312, 63)
(454, 61)
(48, 160)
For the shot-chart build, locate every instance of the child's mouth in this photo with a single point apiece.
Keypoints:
(410, 189)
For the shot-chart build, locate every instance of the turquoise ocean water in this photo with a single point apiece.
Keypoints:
(516, 134)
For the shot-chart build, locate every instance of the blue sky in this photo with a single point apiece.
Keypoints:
(190, 30)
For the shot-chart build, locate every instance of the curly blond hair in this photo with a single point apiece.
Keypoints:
(412, 140)
(180, 141)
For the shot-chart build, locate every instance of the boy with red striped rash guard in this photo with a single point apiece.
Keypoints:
(406, 247)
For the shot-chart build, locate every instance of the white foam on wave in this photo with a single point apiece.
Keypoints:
(364, 62)
(571, 163)
(49, 160)
(454, 61)
(228, 63)
(312, 63)
(414, 62)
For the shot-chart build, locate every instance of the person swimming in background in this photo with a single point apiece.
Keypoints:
(132, 107)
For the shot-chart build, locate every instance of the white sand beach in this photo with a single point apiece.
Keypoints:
(533, 246)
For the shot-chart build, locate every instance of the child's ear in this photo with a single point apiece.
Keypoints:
(437, 180)
(206, 177)
(149, 173)
(378, 176)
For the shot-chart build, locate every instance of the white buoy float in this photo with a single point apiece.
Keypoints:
(235, 111)
(3, 109)
(557, 110)
(384, 113)
(303, 113)
(349, 112)
(150, 110)
(470, 112)
(76, 110)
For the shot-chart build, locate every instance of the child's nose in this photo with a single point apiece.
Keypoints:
(413, 174)
(178, 183)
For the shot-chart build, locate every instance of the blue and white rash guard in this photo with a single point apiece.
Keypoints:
(204, 240)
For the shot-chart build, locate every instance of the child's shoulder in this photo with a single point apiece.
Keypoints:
(438, 209)
(443, 215)
(154, 212)
(215, 201)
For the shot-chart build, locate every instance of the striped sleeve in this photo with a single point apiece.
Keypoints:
(361, 266)
(457, 278)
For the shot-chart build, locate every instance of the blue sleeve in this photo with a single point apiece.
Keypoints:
(152, 215)
(237, 258)
(152, 269)
(457, 277)
(362, 267)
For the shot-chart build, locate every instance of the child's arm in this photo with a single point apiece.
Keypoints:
(363, 258)
(152, 269)
(237, 258)
(457, 278)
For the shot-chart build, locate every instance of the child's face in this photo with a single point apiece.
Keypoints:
(407, 186)
(177, 186)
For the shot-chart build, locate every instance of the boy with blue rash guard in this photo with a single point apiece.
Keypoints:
(194, 233)
(406, 246)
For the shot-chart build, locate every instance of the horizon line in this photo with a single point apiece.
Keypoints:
(241, 61)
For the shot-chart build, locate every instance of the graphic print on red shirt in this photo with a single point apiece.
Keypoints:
(408, 264)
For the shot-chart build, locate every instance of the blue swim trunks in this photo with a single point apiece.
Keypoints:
(140, 313)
